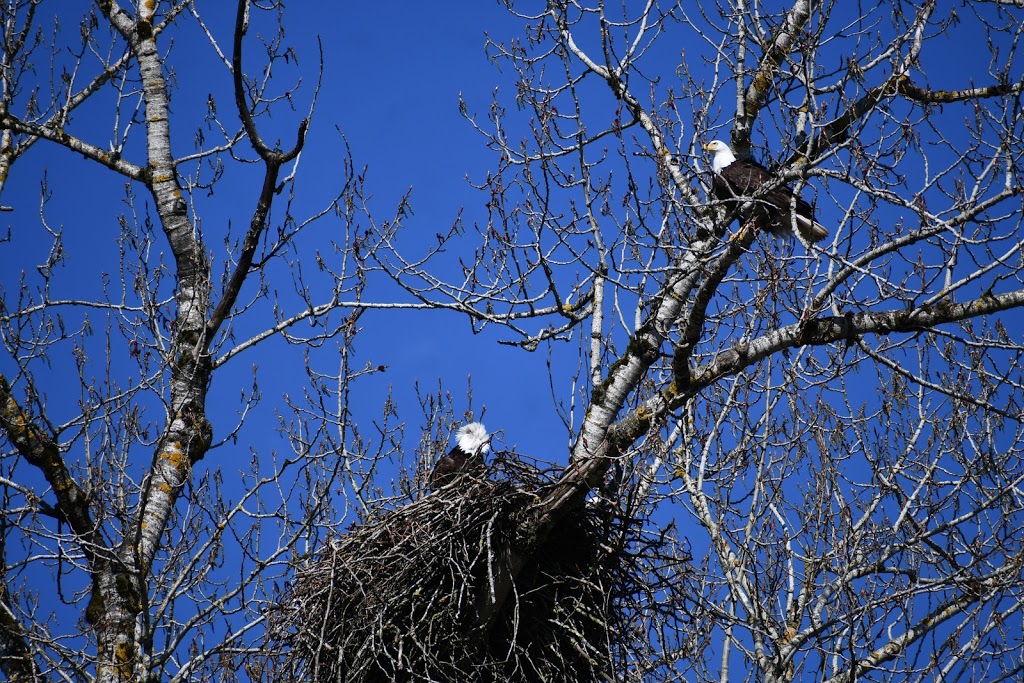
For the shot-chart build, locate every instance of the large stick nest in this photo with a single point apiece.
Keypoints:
(405, 595)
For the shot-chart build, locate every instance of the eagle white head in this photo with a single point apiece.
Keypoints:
(722, 155)
(473, 439)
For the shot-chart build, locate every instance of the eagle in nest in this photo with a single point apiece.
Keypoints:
(738, 182)
(472, 443)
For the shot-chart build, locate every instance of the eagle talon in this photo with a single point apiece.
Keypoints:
(741, 234)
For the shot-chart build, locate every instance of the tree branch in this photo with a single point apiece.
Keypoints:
(830, 329)
(761, 83)
(272, 159)
(40, 450)
(16, 660)
(58, 135)
(927, 96)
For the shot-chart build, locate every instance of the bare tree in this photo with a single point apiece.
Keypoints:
(835, 428)
(817, 446)
(107, 513)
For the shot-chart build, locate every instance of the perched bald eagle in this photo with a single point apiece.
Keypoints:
(472, 443)
(736, 183)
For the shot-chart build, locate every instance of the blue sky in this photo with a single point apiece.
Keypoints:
(391, 85)
(392, 80)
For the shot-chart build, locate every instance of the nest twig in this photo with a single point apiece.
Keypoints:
(399, 598)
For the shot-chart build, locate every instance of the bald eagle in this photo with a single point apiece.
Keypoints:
(472, 443)
(736, 182)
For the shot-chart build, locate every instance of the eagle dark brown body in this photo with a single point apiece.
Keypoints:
(737, 183)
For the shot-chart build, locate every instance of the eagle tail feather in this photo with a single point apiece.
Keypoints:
(810, 229)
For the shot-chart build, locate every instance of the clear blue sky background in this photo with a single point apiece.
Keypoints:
(392, 85)
(392, 77)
